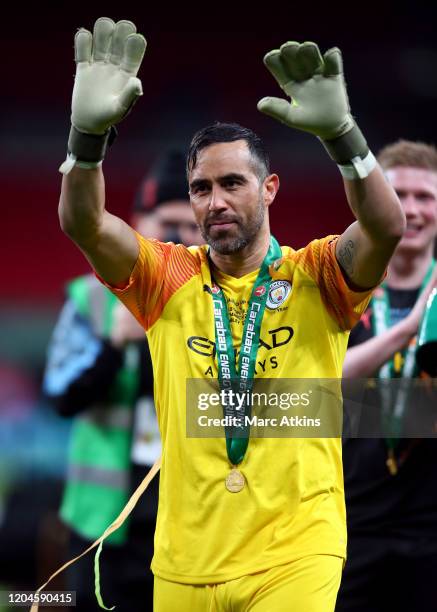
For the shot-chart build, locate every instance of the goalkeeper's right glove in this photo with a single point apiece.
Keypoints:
(105, 88)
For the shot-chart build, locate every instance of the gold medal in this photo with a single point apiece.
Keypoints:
(235, 481)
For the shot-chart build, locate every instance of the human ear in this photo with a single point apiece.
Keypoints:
(270, 188)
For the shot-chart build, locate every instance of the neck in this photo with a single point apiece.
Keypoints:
(407, 270)
(248, 259)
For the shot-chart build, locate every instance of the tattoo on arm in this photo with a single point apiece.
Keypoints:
(346, 257)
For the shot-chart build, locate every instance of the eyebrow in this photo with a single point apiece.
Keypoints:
(423, 191)
(232, 176)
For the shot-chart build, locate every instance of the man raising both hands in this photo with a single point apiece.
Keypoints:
(243, 524)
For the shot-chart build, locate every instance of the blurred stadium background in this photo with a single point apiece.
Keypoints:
(201, 65)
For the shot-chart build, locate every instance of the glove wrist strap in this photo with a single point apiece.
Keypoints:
(358, 168)
(346, 147)
(87, 150)
(351, 153)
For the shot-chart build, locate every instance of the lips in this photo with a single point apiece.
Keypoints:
(412, 230)
(222, 224)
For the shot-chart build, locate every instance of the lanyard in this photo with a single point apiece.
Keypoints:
(393, 409)
(240, 379)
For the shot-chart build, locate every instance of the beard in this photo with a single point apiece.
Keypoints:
(244, 234)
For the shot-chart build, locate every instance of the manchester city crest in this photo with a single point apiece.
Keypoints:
(278, 292)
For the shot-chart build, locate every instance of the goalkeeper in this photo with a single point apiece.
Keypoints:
(243, 523)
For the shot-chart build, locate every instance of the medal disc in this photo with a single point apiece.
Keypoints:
(234, 481)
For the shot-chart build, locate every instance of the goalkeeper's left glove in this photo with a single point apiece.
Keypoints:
(319, 103)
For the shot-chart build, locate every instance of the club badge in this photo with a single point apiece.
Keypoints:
(278, 292)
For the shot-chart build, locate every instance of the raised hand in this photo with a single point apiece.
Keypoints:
(105, 88)
(315, 84)
(106, 84)
(318, 100)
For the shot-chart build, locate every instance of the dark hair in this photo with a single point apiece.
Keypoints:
(166, 182)
(229, 132)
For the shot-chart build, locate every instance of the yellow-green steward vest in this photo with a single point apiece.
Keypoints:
(99, 468)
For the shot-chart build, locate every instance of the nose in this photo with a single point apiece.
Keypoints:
(409, 204)
(216, 199)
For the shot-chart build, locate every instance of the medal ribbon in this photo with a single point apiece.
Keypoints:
(240, 379)
(381, 322)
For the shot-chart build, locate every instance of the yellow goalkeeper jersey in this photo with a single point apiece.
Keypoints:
(293, 502)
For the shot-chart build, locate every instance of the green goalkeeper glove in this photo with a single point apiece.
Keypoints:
(319, 103)
(105, 88)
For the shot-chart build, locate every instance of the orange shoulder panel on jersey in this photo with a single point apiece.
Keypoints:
(319, 261)
(160, 270)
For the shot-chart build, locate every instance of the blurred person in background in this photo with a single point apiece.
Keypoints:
(391, 484)
(99, 369)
